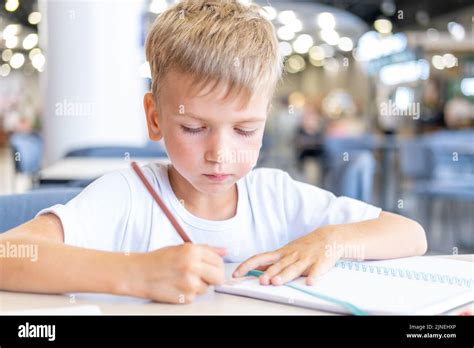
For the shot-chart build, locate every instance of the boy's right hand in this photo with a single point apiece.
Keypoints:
(176, 274)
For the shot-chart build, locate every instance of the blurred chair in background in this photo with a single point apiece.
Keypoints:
(353, 177)
(336, 148)
(27, 151)
(349, 166)
(81, 166)
(19, 208)
(385, 147)
(439, 168)
(339, 145)
(152, 149)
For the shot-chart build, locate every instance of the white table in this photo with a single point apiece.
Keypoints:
(211, 303)
(89, 168)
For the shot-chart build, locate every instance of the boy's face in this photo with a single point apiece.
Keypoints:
(210, 142)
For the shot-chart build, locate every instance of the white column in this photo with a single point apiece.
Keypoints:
(92, 90)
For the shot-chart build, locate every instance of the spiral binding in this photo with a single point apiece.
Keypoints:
(405, 273)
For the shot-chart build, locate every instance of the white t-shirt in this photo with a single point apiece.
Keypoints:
(117, 213)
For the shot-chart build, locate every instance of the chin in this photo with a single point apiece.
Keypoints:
(214, 188)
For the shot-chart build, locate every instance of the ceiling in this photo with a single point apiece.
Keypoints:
(354, 17)
(370, 10)
(367, 10)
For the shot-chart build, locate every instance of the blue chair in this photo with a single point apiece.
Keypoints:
(19, 208)
(438, 162)
(337, 146)
(453, 162)
(27, 152)
(418, 156)
(440, 168)
(352, 178)
(152, 149)
(414, 163)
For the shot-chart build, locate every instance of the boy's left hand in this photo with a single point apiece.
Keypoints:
(311, 256)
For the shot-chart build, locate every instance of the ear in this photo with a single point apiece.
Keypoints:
(151, 112)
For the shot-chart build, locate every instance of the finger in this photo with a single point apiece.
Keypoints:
(219, 270)
(209, 256)
(277, 268)
(191, 285)
(289, 273)
(318, 269)
(211, 274)
(202, 289)
(212, 258)
(256, 261)
(312, 277)
(263, 267)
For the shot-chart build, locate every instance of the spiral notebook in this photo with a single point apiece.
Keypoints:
(413, 285)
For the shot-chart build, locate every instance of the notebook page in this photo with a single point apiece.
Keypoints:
(372, 292)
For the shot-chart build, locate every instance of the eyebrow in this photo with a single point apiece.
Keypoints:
(249, 119)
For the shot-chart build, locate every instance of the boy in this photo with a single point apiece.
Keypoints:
(215, 65)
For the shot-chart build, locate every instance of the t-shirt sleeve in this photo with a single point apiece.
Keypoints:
(308, 207)
(97, 217)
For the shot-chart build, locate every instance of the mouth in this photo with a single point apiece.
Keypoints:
(217, 177)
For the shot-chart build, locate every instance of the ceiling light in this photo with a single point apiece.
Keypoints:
(286, 17)
(329, 36)
(11, 5)
(303, 43)
(383, 26)
(17, 60)
(34, 18)
(326, 20)
(345, 44)
(30, 41)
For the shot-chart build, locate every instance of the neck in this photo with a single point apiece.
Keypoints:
(210, 207)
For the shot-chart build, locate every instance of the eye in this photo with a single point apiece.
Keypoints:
(245, 133)
(191, 130)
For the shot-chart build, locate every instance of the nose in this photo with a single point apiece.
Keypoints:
(216, 147)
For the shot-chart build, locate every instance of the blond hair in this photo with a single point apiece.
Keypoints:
(215, 41)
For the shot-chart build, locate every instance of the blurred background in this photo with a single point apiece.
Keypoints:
(377, 103)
